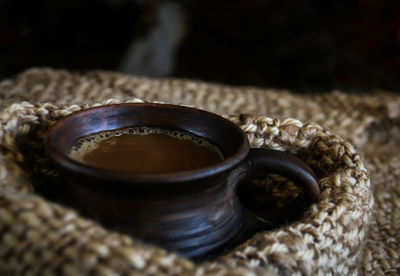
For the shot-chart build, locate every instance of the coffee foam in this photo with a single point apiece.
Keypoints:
(89, 143)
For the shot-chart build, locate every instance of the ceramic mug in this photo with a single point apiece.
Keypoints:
(191, 212)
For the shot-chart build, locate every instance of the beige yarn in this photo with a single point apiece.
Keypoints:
(38, 237)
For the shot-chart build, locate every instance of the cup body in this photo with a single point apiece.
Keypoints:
(191, 212)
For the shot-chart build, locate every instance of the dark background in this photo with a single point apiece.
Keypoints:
(304, 45)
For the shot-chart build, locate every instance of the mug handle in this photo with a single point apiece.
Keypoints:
(285, 164)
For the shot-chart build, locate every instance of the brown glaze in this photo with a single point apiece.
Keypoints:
(192, 212)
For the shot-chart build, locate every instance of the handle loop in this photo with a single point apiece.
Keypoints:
(285, 164)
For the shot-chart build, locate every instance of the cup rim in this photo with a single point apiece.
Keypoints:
(66, 163)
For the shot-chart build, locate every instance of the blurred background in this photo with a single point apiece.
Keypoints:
(303, 45)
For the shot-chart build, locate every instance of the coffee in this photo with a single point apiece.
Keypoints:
(146, 150)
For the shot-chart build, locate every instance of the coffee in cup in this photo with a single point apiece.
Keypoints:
(146, 150)
(191, 211)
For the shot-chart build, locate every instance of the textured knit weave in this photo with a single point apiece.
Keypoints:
(39, 237)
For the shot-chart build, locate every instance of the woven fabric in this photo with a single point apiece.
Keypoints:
(335, 236)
